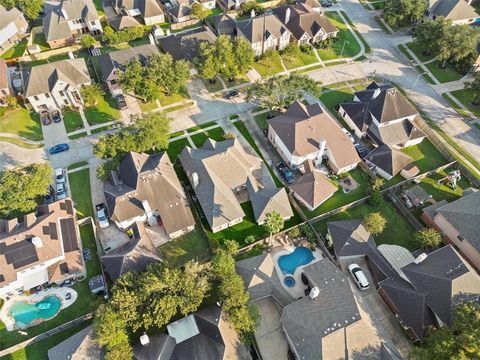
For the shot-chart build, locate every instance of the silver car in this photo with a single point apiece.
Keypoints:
(61, 191)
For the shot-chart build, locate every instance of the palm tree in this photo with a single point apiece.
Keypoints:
(274, 223)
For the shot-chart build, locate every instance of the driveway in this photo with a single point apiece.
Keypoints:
(54, 134)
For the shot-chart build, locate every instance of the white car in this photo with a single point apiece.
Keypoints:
(61, 191)
(102, 216)
(358, 276)
(60, 176)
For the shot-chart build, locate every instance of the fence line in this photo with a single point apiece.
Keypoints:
(403, 209)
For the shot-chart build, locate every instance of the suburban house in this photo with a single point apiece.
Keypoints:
(146, 189)
(186, 44)
(179, 11)
(134, 256)
(223, 175)
(56, 84)
(458, 222)
(44, 248)
(13, 27)
(129, 10)
(115, 62)
(420, 289)
(326, 323)
(228, 5)
(306, 25)
(306, 132)
(387, 161)
(4, 88)
(81, 346)
(312, 188)
(459, 12)
(224, 24)
(264, 32)
(204, 334)
(69, 20)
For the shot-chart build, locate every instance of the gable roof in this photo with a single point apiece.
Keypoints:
(224, 23)
(390, 160)
(302, 127)
(395, 134)
(150, 178)
(147, 8)
(260, 28)
(8, 16)
(43, 78)
(79, 346)
(3, 75)
(122, 22)
(265, 201)
(453, 10)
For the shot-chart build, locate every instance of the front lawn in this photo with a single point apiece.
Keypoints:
(303, 58)
(174, 98)
(397, 232)
(15, 51)
(444, 75)
(79, 187)
(418, 50)
(269, 65)
(147, 106)
(465, 96)
(215, 134)
(176, 147)
(22, 123)
(72, 121)
(191, 246)
(212, 86)
(105, 111)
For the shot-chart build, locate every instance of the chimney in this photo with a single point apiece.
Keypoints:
(36, 241)
(144, 340)
(11, 224)
(376, 93)
(314, 293)
(420, 258)
(29, 219)
(287, 15)
(252, 13)
(195, 180)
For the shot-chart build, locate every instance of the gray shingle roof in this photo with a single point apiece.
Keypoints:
(453, 10)
(390, 160)
(80, 346)
(147, 8)
(121, 22)
(8, 16)
(261, 28)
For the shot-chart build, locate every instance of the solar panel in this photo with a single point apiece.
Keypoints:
(53, 231)
(21, 253)
(69, 235)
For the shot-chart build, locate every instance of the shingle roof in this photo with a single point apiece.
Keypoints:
(43, 78)
(454, 10)
(390, 160)
(260, 28)
(224, 23)
(303, 127)
(80, 346)
(8, 16)
(147, 8)
(121, 22)
(265, 201)
(3, 74)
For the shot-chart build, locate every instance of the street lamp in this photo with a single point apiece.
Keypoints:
(418, 76)
(343, 47)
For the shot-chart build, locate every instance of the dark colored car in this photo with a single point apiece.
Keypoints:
(45, 118)
(232, 94)
(48, 199)
(362, 152)
(58, 149)
(56, 117)
(121, 103)
(326, 3)
(286, 172)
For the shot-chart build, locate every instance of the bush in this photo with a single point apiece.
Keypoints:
(294, 232)
(229, 135)
(375, 223)
(306, 48)
(427, 238)
(11, 102)
(247, 7)
(250, 239)
(309, 233)
(375, 199)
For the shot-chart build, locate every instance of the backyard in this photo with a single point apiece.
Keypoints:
(22, 123)
(79, 187)
(15, 51)
(191, 246)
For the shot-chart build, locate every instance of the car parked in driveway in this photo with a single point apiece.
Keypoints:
(102, 216)
(286, 172)
(121, 102)
(233, 94)
(58, 149)
(56, 117)
(61, 191)
(358, 276)
(60, 176)
(45, 118)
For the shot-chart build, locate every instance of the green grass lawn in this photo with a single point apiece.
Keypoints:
(398, 230)
(79, 187)
(261, 120)
(105, 111)
(212, 86)
(330, 98)
(340, 198)
(270, 65)
(465, 96)
(15, 51)
(444, 75)
(174, 98)
(200, 126)
(239, 80)
(191, 246)
(454, 105)
(40, 40)
(443, 191)
(215, 134)
(20, 142)
(425, 155)
(77, 165)
(176, 147)
(98, 7)
(72, 121)
(303, 58)
(147, 106)
(23, 123)
(344, 36)
(418, 49)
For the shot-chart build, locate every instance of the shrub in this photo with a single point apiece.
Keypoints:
(427, 238)
(306, 48)
(229, 135)
(294, 232)
(376, 198)
(250, 239)
(375, 223)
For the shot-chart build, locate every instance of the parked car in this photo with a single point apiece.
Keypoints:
(58, 149)
(61, 191)
(48, 199)
(358, 276)
(360, 150)
(326, 3)
(45, 118)
(60, 176)
(102, 216)
(233, 94)
(56, 117)
(286, 172)
(121, 103)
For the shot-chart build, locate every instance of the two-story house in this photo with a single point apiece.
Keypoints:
(43, 249)
(149, 10)
(13, 27)
(264, 32)
(459, 12)
(69, 20)
(57, 84)
(306, 25)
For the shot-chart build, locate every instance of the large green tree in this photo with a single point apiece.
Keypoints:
(207, 63)
(198, 12)
(91, 94)
(403, 12)
(274, 223)
(31, 8)
(21, 188)
(226, 57)
(474, 87)
(427, 238)
(244, 55)
(430, 34)
(375, 223)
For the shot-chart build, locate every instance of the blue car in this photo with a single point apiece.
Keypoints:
(286, 173)
(58, 149)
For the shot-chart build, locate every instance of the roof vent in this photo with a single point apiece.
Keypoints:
(376, 92)
(144, 340)
(37, 241)
(314, 292)
(420, 258)
(195, 179)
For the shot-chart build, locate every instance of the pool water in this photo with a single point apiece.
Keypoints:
(300, 256)
(289, 281)
(25, 313)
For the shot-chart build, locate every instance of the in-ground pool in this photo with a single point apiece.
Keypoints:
(26, 313)
(300, 256)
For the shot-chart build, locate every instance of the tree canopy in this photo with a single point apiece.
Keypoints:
(91, 94)
(403, 12)
(474, 87)
(31, 8)
(87, 41)
(375, 223)
(427, 238)
(21, 188)
(112, 37)
(197, 11)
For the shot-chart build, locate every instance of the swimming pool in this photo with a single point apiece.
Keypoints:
(300, 256)
(26, 313)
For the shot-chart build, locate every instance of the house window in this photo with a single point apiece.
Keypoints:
(460, 237)
(36, 98)
(47, 95)
(65, 101)
(61, 93)
(92, 23)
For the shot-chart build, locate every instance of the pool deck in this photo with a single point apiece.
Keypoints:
(298, 290)
(60, 292)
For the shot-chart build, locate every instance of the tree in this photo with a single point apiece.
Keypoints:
(21, 187)
(403, 12)
(294, 232)
(247, 7)
(226, 57)
(431, 34)
(377, 184)
(278, 91)
(131, 78)
(250, 239)
(474, 87)
(460, 342)
(292, 51)
(91, 94)
(207, 62)
(231, 247)
(244, 55)
(171, 75)
(110, 329)
(31, 8)
(376, 198)
(274, 223)
(8, 4)
(112, 37)
(87, 41)
(375, 223)
(198, 12)
(427, 238)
